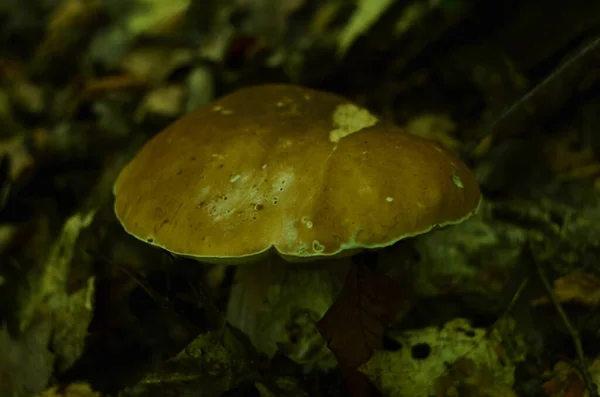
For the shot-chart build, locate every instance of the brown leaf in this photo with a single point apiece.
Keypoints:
(358, 383)
(578, 287)
(566, 381)
(21, 162)
(353, 326)
(72, 390)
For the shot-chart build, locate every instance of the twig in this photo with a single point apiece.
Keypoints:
(583, 369)
(510, 306)
(491, 130)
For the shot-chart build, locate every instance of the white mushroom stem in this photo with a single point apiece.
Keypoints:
(277, 304)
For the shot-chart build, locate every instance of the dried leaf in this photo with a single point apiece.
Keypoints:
(20, 160)
(566, 381)
(367, 13)
(439, 362)
(157, 16)
(73, 390)
(165, 101)
(353, 326)
(99, 88)
(577, 287)
(358, 383)
(59, 41)
(437, 127)
(571, 154)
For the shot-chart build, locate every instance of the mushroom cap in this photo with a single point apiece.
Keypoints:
(302, 172)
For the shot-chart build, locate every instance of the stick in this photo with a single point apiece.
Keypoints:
(583, 369)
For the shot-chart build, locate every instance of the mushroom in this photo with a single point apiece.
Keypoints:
(274, 176)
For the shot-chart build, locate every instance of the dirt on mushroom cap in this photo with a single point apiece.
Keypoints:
(304, 172)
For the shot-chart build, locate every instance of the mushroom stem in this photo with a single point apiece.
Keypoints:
(277, 304)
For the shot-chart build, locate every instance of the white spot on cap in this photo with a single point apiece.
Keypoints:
(389, 199)
(222, 204)
(290, 233)
(457, 181)
(317, 246)
(348, 119)
(222, 110)
(234, 178)
(204, 192)
(307, 222)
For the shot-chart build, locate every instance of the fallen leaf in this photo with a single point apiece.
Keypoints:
(570, 154)
(59, 42)
(165, 101)
(437, 127)
(353, 326)
(358, 383)
(365, 15)
(440, 361)
(566, 381)
(20, 162)
(578, 287)
(73, 390)
(99, 88)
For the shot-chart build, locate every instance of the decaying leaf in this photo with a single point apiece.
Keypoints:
(48, 289)
(59, 42)
(166, 101)
(22, 92)
(366, 14)
(571, 155)
(20, 161)
(436, 127)
(565, 381)
(280, 387)
(576, 287)
(153, 64)
(466, 379)
(157, 16)
(353, 326)
(422, 367)
(72, 390)
(27, 362)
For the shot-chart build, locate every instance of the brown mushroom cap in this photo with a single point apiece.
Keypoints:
(306, 173)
